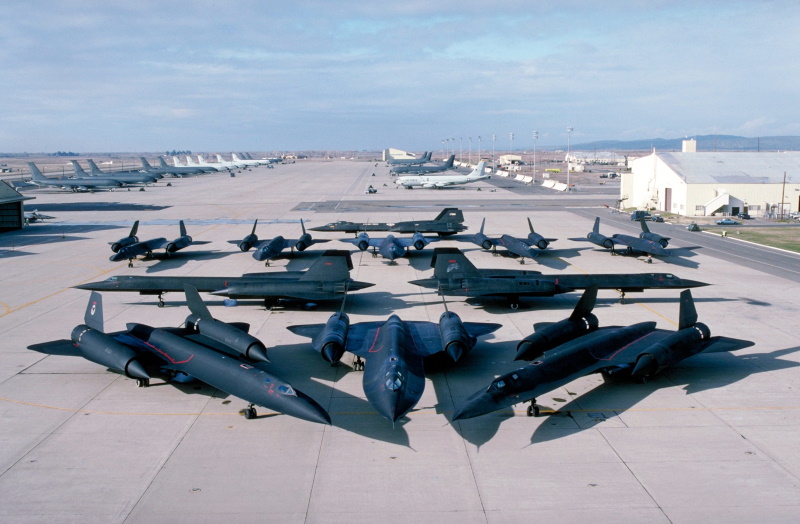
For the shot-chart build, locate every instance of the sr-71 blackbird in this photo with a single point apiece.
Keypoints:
(647, 243)
(327, 279)
(269, 249)
(393, 351)
(455, 275)
(130, 247)
(517, 246)
(222, 355)
(390, 247)
(449, 222)
(576, 347)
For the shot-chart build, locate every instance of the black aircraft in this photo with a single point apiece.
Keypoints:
(455, 275)
(130, 247)
(449, 222)
(570, 349)
(423, 169)
(646, 234)
(269, 249)
(327, 279)
(517, 246)
(641, 244)
(393, 353)
(390, 247)
(222, 355)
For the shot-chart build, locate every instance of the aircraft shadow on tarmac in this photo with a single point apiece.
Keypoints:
(611, 398)
(9, 253)
(179, 259)
(305, 369)
(567, 301)
(679, 256)
(96, 206)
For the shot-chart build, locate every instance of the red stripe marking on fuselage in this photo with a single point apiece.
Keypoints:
(623, 348)
(166, 355)
(374, 341)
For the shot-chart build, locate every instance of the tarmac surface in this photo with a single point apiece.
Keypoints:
(713, 439)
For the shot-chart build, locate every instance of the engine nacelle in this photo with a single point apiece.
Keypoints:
(105, 350)
(248, 242)
(672, 349)
(455, 339)
(245, 344)
(551, 336)
(542, 244)
(172, 247)
(363, 245)
(419, 244)
(486, 244)
(303, 242)
(331, 341)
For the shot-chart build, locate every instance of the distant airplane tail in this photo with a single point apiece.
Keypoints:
(162, 162)
(76, 167)
(95, 170)
(177, 161)
(450, 214)
(428, 156)
(333, 266)
(450, 262)
(94, 312)
(145, 163)
(596, 227)
(195, 303)
(235, 157)
(645, 229)
(35, 173)
(183, 228)
(450, 162)
(219, 158)
(479, 171)
(483, 223)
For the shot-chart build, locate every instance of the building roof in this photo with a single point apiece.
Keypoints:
(8, 194)
(734, 168)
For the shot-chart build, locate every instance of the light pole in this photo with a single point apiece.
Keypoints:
(569, 133)
(494, 165)
(469, 159)
(461, 150)
(453, 140)
(479, 149)
(535, 138)
(510, 148)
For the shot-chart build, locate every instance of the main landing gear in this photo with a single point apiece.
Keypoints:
(142, 383)
(249, 412)
(160, 300)
(358, 364)
(533, 409)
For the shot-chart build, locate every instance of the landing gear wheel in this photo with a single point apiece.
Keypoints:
(250, 412)
(358, 364)
(130, 263)
(533, 410)
(142, 383)
(514, 305)
(622, 299)
(160, 301)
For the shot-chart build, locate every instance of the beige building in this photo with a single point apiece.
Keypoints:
(702, 184)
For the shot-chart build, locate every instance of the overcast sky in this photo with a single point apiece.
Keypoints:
(99, 75)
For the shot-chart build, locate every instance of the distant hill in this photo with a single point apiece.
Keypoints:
(704, 143)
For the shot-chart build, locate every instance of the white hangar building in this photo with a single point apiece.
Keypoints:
(701, 184)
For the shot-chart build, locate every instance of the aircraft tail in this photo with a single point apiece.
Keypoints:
(35, 173)
(530, 226)
(483, 223)
(134, 229)
(219, 158)
(450, 214)
(428, 156)
(162, 162)
(253, 232)
(94, 312)
(303, 226)
(183, 228)
(79, 170)
(176, 161)
(93, 167)
(644, 226)
(479, 170)
(585, 304)
(688, 314)
(596, 227)
(145, 163)
(450, 162)
(450, 262)
(195, 303)
(235, 157)
(334, 265)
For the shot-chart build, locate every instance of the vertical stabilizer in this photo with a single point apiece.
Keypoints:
(332, 266)
(483, 223)
(93, 167)
(35, 173)
(688, 313)
(644, 225)
(530, 226)
(79, 172)
(183, 228)
(94, 312)
(450, 262)
(162, 162)
(585, 304)
(145, 163)
(134, 229)
(195, 303)
(596, 227)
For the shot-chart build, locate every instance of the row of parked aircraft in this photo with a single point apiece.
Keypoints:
(146, 174)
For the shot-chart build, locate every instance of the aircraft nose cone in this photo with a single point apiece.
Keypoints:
(258, 353)
(393, 405)
(355, 285)
(692, 283)
(431, 283)
(476, 405)
(304, 407)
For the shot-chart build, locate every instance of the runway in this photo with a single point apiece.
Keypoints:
(714, 439)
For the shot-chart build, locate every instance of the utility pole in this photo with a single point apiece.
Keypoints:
(535, 138)
(569, 134)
